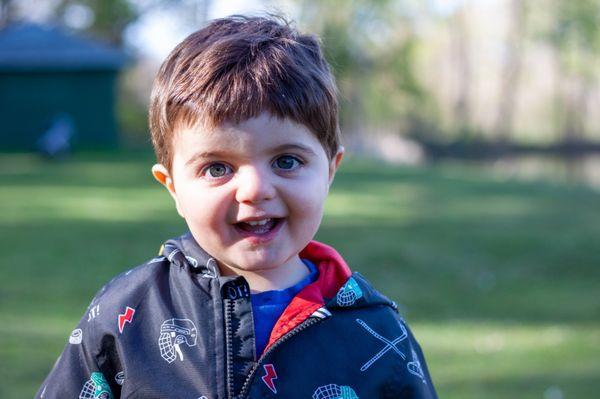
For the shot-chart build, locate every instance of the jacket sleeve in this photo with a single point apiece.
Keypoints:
(417, 383)
(76, 373)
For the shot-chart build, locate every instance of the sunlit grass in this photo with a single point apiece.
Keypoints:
(83, 203)
(496, 360)
(498, 279)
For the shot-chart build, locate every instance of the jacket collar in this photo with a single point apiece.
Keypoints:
(185, 252)
(336, 287)
(333, 273)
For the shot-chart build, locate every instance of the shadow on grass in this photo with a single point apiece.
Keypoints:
(435, 271)
(443, 244)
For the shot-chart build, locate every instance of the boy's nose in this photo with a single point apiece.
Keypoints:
(254, 186)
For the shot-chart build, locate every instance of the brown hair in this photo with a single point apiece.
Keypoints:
(234, 69)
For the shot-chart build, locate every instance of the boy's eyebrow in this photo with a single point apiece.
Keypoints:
(293, 146)
(226, 154)
(207, 155)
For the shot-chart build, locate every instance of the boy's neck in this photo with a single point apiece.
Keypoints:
(280, 278)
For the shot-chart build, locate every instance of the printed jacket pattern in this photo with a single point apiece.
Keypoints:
(174, 328)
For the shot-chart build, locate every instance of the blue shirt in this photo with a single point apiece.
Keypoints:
(268, 306)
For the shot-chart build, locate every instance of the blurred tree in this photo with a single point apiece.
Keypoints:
(462, 54)
(109, 17)
(105, 19)
(574, 32)
(512, 70)
(372, 47)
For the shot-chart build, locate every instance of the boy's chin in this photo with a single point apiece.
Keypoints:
(256, 262)
(257, 266)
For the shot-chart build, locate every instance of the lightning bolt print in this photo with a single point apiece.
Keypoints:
(125, 318)
(269, 377)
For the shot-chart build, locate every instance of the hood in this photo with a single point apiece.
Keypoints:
(336, 288)
(184, 252)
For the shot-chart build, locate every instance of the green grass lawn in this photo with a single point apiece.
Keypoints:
(500, 280)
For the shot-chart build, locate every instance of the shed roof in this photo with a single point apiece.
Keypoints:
(27, 46)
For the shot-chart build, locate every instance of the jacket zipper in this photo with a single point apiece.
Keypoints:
(229, 349)
(304, 325)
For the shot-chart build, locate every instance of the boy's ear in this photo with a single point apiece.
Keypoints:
(162, 175)
(335, 163)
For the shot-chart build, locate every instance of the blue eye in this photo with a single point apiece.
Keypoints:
(287, 162)
(216, 170)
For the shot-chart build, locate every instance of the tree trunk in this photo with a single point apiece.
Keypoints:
(460, 35)
(509, 92)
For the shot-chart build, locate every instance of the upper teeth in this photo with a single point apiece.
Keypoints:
(258, 222)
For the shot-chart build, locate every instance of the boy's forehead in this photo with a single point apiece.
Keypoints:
(264, 127)
(262, 133)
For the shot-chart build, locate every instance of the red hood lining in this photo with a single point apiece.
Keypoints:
(333, 273)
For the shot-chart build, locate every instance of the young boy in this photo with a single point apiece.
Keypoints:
(244, 122)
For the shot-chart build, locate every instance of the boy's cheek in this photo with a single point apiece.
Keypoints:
(179, 208)
(203, 210)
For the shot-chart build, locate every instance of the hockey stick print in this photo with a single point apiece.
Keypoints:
(389, 345)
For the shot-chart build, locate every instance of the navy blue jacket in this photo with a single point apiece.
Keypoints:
(174, 328)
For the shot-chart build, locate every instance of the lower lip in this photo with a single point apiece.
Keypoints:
(260, 238)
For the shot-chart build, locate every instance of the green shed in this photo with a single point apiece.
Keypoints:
(46, 72)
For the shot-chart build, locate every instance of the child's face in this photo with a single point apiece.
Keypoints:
(252, 193)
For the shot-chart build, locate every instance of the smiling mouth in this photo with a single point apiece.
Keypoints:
(259, 227)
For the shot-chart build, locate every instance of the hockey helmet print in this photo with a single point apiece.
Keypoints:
(174, 333)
